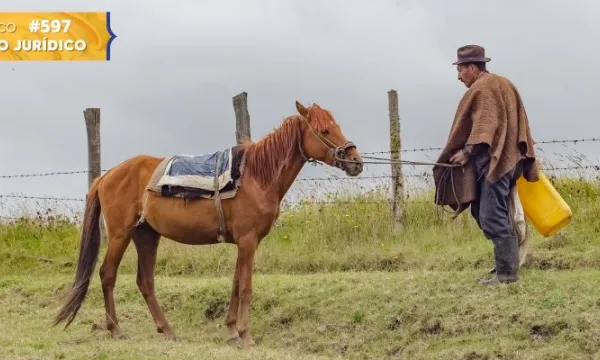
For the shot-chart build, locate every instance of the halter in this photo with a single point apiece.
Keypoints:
(336, 151)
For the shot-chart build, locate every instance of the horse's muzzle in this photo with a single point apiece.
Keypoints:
(347, 159)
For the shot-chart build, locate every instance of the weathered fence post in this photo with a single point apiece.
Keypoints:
(395, 149)
(242, 117)
(92, 124)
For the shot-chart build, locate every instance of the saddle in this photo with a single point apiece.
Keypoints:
(215, 175)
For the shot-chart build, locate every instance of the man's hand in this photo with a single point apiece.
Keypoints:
(459, 157)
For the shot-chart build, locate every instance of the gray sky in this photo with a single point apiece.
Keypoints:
(176, 65)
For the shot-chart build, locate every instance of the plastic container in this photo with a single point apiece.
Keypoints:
(543, 206)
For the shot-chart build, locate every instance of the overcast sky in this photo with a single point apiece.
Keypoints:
(176, 65)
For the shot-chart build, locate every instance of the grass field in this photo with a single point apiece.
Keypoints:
(331, 281)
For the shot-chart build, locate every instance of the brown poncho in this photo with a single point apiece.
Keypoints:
(490, 112)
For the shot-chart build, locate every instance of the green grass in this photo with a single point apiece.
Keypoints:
(332, 280)
(340, 236)
(357, 315)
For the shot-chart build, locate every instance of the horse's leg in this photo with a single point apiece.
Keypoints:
(146, 241)
(246, 249)
(117, 245)
(232, 313)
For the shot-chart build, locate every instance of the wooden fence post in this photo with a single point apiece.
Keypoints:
(395, 149)
(92, 124)
(242, 117)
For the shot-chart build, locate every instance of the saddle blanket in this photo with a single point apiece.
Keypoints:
(193, 176)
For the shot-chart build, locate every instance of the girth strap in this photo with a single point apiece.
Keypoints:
(222, 227)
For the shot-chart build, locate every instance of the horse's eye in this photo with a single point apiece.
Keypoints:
(326, 132)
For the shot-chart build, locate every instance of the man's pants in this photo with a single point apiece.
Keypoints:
(490, 210)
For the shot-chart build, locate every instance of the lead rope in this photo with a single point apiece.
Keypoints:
(336, 149)
(304, 157)
(442, 192)
(448, 171)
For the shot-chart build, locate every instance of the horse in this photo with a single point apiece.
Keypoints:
(131, 211)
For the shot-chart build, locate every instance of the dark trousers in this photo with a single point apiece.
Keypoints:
(490, 210)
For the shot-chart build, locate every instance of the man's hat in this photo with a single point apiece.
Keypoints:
(470, 53)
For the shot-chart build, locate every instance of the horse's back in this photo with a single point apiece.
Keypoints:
(125, 183)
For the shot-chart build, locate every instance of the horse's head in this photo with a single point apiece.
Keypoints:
(323, 140)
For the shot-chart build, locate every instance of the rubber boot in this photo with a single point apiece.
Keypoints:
(506, 254)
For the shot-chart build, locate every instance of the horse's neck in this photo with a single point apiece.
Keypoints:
(292, 163)
(290, 172)
(288, 162)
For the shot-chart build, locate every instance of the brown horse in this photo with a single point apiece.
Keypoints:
(131, 211)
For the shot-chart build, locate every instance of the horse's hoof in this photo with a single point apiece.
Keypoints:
(168, 333)
(249, 343)
(236, 340)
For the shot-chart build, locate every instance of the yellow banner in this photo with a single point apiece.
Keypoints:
(55, 36)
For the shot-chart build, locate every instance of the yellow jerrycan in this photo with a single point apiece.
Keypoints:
(543, 206)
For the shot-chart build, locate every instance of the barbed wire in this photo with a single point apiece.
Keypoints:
(354, 202)
(370, 177)
(580, 167)
(431, 148)
(427, 175)
(54, 198)
(424, 149)
(54, 173)
(403, 150)
(307, 179)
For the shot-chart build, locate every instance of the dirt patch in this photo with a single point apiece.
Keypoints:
(535, 262)
(546, 332)
(285, 320)
(473, 355)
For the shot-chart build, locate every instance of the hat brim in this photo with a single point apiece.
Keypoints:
(473, 59)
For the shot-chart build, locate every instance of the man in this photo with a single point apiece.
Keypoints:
(491, 143)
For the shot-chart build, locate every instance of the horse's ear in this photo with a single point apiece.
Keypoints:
(301, 109)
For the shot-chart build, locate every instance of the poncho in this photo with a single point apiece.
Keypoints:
(490, 112)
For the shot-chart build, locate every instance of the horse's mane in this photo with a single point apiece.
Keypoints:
(266, 158)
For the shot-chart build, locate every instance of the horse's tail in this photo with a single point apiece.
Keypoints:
(88, 254)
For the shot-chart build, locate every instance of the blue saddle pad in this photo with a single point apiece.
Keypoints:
(199, 171)
(199, 165)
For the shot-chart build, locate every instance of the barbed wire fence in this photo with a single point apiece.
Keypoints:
(316, 189)
(401, 184)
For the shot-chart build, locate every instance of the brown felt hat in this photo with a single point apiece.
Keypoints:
(470, 53)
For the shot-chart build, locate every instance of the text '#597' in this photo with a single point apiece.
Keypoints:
(55, 36)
